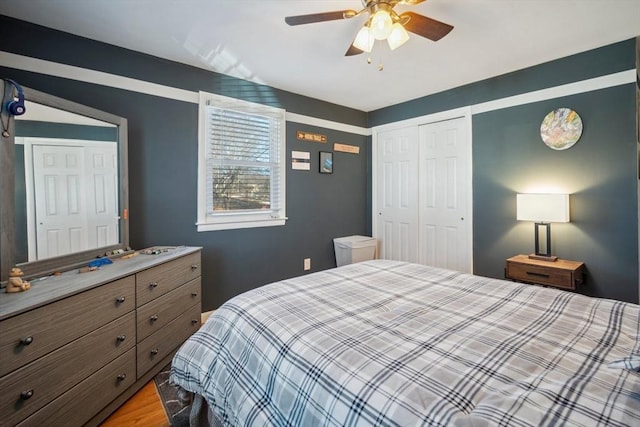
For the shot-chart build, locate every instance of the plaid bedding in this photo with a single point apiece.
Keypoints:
(395, 344)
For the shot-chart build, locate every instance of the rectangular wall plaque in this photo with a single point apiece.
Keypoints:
(346, 148)
(311, 137)
(301, 160)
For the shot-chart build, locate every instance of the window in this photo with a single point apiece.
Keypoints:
(241, 165)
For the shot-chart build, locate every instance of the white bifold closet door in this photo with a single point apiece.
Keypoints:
(423, 193)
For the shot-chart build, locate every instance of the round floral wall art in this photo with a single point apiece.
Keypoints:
(561, 129)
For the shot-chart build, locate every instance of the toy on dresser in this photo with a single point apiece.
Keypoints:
(15, 282)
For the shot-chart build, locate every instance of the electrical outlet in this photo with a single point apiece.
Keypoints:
(307, 264)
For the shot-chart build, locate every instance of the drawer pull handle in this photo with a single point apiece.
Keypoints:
(120, 300)
(194, 266)
(26, 340)
(154, 351)
(121, 338)
(194, 294)
(153, 318)
(194, 321)
(531, 273)
(121, 377)
(153, 285)
(26, 395)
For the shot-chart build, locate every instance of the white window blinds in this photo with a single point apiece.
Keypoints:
(244, 162)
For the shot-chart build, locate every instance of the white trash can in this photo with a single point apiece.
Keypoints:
(354, 249)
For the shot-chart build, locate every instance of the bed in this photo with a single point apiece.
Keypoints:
(398, 344)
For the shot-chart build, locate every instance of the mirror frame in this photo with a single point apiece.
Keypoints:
(7, 188)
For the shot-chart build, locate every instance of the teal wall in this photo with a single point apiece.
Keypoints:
(600, 171)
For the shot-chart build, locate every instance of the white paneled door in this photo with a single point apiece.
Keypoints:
(75, 194)
(397, 201)
(423, 193)
(60, 221)
(445, 185)
(101, 174)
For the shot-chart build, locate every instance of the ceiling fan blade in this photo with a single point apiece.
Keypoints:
(353, 51)
(320, 17)
(411, 2)
(426, 27)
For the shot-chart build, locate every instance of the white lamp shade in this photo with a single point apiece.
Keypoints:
(542, 207)
(364, 39)
(398, 36)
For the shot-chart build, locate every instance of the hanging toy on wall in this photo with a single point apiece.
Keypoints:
(13, 107)
(16, 108)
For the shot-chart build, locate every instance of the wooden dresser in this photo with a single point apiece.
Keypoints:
(76, 346)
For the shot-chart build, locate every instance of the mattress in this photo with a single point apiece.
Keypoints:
(398, 344)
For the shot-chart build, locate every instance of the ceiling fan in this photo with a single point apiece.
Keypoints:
(383, 23)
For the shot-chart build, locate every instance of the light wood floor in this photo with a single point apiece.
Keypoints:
(145, 408)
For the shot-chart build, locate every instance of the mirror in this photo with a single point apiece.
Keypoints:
(69, 200)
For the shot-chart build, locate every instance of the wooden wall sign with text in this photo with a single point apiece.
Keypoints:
(346, 148)
(311, 137)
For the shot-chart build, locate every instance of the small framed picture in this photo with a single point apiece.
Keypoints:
(326, 162)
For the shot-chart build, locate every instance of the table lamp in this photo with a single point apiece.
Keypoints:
(542, 209)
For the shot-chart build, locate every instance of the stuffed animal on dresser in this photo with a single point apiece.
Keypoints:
(15, 282)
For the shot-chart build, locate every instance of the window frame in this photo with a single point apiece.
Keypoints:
(207, 221)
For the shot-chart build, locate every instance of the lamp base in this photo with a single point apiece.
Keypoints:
(551, 258)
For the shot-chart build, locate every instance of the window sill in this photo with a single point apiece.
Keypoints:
(212, 226)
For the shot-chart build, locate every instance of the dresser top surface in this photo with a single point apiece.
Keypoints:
(49, 289)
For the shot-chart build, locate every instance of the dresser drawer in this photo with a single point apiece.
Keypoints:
(159, 280)
(33, 386)
(28, 336)
(82, 402)
(539, 274)
(155, 315)
(158, 345)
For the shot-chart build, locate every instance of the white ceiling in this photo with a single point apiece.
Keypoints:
(249, 39)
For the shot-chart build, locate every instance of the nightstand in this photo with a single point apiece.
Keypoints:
(563, 274)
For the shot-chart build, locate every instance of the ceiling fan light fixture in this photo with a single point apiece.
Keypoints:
(398, 36)
(364, 39)
(381, 24)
